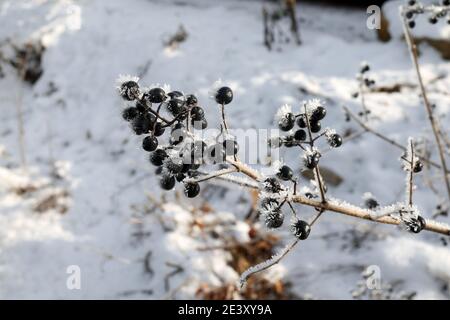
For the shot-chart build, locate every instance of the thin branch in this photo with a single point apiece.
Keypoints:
(356, 212)
(267, 264)
(434, 124)
(316, 169)
(388, 140)
(411, 172)
(212, 175)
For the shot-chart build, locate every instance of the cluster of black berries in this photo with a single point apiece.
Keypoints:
(309, 123)
(270, 207)
(154, 111)
(366, 83)
(436, 12)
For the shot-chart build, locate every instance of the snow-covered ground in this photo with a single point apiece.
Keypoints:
(105, 212)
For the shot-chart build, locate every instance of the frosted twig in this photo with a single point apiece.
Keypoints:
(388, 140)
(211, 175)
(433, 121)
(266, 264)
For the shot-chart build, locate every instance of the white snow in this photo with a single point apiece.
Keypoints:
(105, 180)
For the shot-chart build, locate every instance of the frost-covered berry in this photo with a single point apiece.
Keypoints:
(129, 113)
(175, 106)
(335, 140)
(417, 226)
(174, 165)
(167, 182)
(418, 166)
(315, 126)
(365, 68)
(150, 143)
(300, 135)
(289, 141)
(274, 219)
(319, 113)
(433, 19)
(157, 157)
(301, 229)
(156, 95)
(231, 147)
(272, 185)
(175, 94)
(197, 113)
(311, 160)
(287, 122)
(141, 124)
(191, 189)
(285, 173)
(224, 95)
(129, 90)
(159, 129)
(267, 202)
(199, 125)
(301, 121)
(371, 203)
(191, 100)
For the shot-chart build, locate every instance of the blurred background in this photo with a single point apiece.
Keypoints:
(76, 189)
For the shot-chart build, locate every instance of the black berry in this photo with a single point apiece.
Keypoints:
(191, 189)
(175, 106)
(411, 24)
(312, 160)
(129, 113)
(274, 219)
(300, 135)
(157, 157)
(129, 90)
(156, 95)
(191, 100)
(335, 140)
(371, 203)
(272, 185)
(224, 95)
(197, 113)
(285, 173)
(433, 19)
(418, 166)
(141, 124)
(175, 94)
(418, 225)
(318, 114)
(167, 182)
(301, 121)
(301, 229)
(287, 122)
(159, 129)
(174, 165)
(315, 126)
(150, 143)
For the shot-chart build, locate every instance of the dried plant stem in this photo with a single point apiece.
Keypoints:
(317, 174)
(388, 140)
(434, 124)
(212, 175)
(267, 264)
(411, 172)
(346, 210)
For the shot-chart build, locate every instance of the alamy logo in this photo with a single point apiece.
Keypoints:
(73, 281)
(374, 20)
